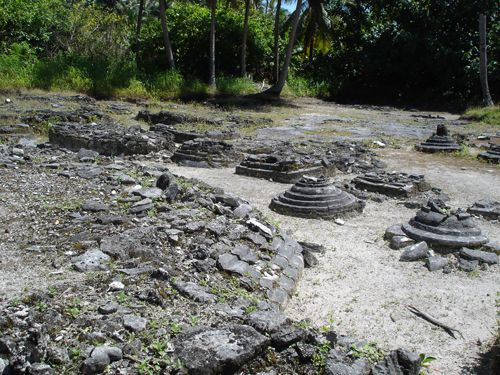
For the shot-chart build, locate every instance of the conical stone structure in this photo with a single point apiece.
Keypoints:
(314, 197)
(442, 228)
(270, 167)
(439, 141)
(205, 153)
(493, 153)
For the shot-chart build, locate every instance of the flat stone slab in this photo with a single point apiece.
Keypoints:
(207, 351)
(398, 185)
(481, 256)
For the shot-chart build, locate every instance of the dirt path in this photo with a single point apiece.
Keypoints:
(359, 282)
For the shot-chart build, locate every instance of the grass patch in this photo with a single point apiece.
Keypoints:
(236, 86)
(486, 115)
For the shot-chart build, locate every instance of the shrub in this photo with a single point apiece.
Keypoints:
(236, 86)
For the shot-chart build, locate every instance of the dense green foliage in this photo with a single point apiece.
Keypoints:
(407, 51)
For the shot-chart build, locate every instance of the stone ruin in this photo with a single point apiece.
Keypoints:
(181, 136)
(397, 185)
(487, 208)
(439, 141)
(270, 167)
(454, 234)
(108, 138)
(205, 153)
(443, 228)
(493, 153)
(313, 197)
(174, 118)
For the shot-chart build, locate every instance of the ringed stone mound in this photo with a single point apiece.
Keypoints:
(270, 167)
(313, 197)
(442, 228)
(493, 153)
(108, 138)
(439, 141)
(398, 185)
(205, 153)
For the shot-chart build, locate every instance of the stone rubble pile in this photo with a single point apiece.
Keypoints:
(486, 208)
(286, 170)
(206, 153)
(108, 138)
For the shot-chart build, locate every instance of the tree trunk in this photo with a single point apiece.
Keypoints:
(211, 76)
(166, 38)
(277, 42)
(267, 7)
(483, 62)
(244, 42)
(278, 86)
(138, 33)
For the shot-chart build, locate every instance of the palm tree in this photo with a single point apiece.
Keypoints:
(138, 33)
(277, 88)
(316, 26)
(483, 62)
(166, 38)
(277, 42)
(211, 75)
(243, 64)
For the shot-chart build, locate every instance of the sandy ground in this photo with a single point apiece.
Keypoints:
(359, 282)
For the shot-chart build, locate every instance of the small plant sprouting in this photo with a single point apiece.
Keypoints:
(369, 351)
(194, 320)
(175, 328)
(425, 363)
(319, 357)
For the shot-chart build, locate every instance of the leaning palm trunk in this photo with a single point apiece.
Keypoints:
(483, 62)
(277, 42)
(166, 38)
(278, 86)
(138, 33)
(211, 76)
(244, 42)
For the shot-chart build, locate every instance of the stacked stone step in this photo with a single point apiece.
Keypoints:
(108, 138)
(313, 197)
(493, 153)
(487, 208)
(392, 184)
(277, 169)
(205, 153)
(439, 141)
(443, 228)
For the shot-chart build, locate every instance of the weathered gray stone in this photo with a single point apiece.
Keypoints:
(398, 362)
(40, 369)
(286, 336)
(481, 256)
(436, 262)
(360, 366)
(134, 323)
(242, 211)
(266, 321)
(492, 247)
(100, 358)
(414, 252)
(257, 226)
(94, 206)
(208, 351)
(231, 263)
(86, 156)
(393, 231)
(439, 142)
(108, 308)
(245, 254)
(467, 265)
(398, 242)
(91, 260)
(310, 259)
(194, 291)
